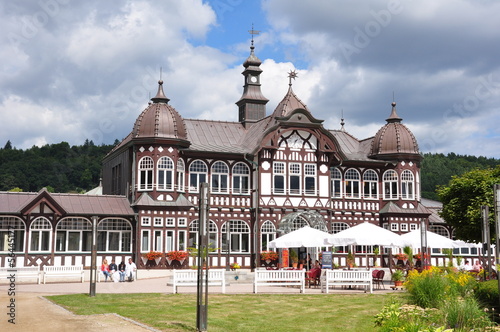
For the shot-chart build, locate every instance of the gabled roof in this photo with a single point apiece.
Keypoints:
(146, 200)
(392, 208)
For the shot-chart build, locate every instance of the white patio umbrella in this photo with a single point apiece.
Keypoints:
(413, 239)
(304, 237)
(365, 234)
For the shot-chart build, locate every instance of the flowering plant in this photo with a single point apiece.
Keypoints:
(235, 265)
(178, 255)
(152, 255)
(269, 255)
(419, 256)
(401, 256)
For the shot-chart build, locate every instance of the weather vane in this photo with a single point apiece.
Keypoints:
(253, 32)
(292, 74)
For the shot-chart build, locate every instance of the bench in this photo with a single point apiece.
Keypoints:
(63, 271)
(216, 277)
(346, 278)
(279, 278)
(20, 272)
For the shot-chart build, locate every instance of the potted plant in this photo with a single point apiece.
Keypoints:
(268, 256)
(294, 257)
(398, 277)
(350, 259)
(234, 266)
(376, 252)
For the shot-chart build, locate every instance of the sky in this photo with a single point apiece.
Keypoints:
(75, 70)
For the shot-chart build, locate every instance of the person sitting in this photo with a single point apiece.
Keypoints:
(467, 266)
(121, 270)
(476, 267)
(113, 271)
(130, 270)
(105, 269)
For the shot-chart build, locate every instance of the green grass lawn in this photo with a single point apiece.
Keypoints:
(253, 312)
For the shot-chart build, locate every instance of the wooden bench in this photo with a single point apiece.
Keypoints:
(21, 272)
(63, 271)
(216, 277)
(279, 278)
(346, 278)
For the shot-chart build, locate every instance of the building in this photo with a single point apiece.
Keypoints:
(268, 174)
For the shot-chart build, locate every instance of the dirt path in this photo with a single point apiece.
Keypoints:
(34, 313)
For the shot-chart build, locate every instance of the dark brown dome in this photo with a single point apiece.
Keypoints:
(160, 120)
(393, 139)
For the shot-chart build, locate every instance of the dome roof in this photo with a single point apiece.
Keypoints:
(393, 139)
(160, 120)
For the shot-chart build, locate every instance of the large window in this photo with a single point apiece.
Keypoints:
(241, 178)
(114, 235)
(294, 176)
(197, 174)
(310, 179)
(267, 234)
(74, 234)
(407, 185)
(390, 180)
(146, 168)
(40, 232)
(336, 183)
(239, 235)
(165, 174)
(339, 227)
(194, 228)
(279, 177)
(220, 177)
(12, 231)
(352, 183)
(181, 170)
(370, 184)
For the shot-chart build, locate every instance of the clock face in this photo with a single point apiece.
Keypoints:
(295, 141)
(253, 79)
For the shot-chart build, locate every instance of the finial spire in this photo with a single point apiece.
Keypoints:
(253, 33)
(292, 74)
(342, 123)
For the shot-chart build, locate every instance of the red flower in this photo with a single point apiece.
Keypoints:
(269, 255)
(152, 255)
(178, 255)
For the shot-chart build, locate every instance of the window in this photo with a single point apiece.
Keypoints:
(220, 176)
(370, 184)
(310, 179)
(339, 227)
(194, 228)
(294, 178)
(158, 221)
(116, 180)
(169, 246)
(390, 180)
(12, 231)
(180, 174)
(239, 236)
(74, 234)
(413, 227)
(197, 174)
(114, 235)
(40, 231)
(407, 185)
(336, 181)
(394, 227)
(267, 234)
(145, 221)
(441, 230)
(182, 222)
(146, 167)
(157, 241)
(165, 174)
(352, 183)
(182, 240)
(404, 227)
(169, 222)
(241, 178)
(145, 241)
(279, 177)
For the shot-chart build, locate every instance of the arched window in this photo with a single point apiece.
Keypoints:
(241, 178)
(407, 185)
(114, 235)
(352, 183)
(181, 170)
(370, 184)
(220, 177)
(40, 234)
(197, 174)
(12, 231)
(390, 180)
(146, 168)
(267, 234)
(336, 182)
(441, 230)
(339, 227)
(239, 235)
(165, 176)
(194, 228)
(74, 234)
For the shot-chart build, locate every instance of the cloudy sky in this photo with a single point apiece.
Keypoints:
(75, 70)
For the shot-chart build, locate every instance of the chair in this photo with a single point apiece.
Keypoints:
(313, 277)
(378, 280)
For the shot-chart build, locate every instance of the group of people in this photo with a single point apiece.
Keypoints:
(471, 268)
(119, 273)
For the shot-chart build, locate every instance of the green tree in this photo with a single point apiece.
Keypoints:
(462, 199)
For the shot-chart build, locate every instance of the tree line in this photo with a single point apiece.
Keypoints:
(64, 168)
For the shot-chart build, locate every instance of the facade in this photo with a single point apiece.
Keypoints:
(268, 175)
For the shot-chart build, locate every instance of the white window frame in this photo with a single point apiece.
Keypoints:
(169, 240)
(158, 240)
(145, 221)
(73, 225)
(310, 173)
(198, 173)
(390, 184)
(145, 179)
(335, 181)
(181, 174)
(165, 171)
(394, 227)
(279, 171)
(182, 222)
(370, 184)
(352, 180)
(116, 225)
(294, 171)
(219, 178)
(241, 178)
(268, 234)
(170, 222)
(9, 226)
(413, 227)
(407, 185)
(240, 231)
(41, 229)
(403, 227)
(146, 246)
(158, 221)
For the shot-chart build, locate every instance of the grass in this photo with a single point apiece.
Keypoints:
(248, 312)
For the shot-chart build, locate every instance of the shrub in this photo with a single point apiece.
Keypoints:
(487, 293)
(427, 289)
(465, 315)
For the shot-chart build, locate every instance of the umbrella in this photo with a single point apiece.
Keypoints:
(413, 239)
(304, 237)
(366, 234)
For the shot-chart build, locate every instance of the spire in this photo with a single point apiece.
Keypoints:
(292, 75)
(160, 96)
(394, 116)
(342, 123)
